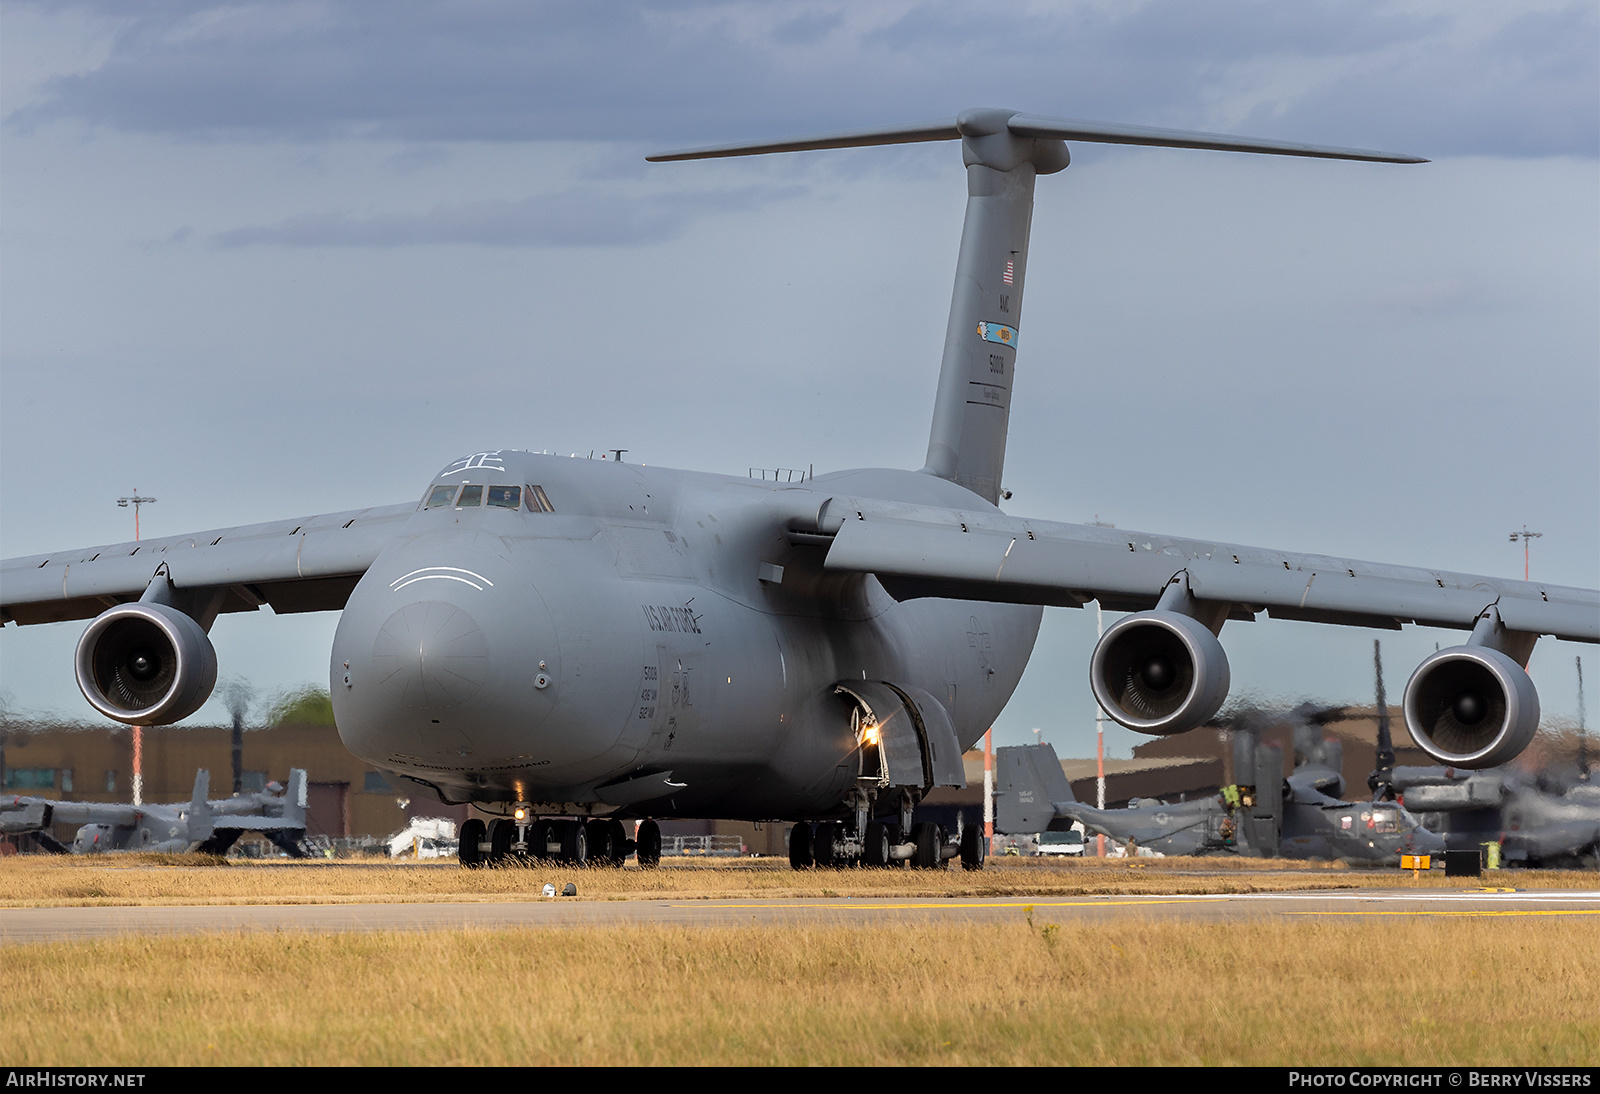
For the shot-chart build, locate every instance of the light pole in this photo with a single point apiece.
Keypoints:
(988, 790)
(1100, 718)
(1099, 740)
(138, 734)
(135, 501)
(1525, 536)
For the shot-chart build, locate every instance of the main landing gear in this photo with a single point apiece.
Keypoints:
(564, 841)
(923, 846)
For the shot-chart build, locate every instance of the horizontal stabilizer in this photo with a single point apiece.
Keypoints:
(860, 138)
(982, 122)
(1032, 125)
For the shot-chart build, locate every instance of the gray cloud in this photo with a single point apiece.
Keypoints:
(570, 218)
(1456, 78)
(1446, 296)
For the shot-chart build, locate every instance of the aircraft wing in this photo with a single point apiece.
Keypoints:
(302, 565)
(986, 555)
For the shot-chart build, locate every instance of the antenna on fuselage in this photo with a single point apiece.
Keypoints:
(1004, 150)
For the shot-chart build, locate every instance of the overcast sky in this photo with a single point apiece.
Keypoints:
(266, 260)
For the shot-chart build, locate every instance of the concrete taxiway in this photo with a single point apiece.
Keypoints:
(21, 925)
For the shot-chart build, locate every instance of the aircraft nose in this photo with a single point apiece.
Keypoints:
(431, 654)
(444, 663)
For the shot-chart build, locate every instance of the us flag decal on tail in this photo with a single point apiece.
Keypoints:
(1011, 270)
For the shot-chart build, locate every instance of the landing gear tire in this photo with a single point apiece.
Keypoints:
(876, 851)
(649, 845)
(824, 844)
(621, 845)
(800, 846)
(602, 849)
(926, 837)
(502, 833)
(574, 843)
(469, 854)
(973, 846)
(540, 837)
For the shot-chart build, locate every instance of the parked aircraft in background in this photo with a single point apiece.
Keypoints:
(567, 643)
(1535, 825)
(1537, 819)
(1263, 813)
(197, 825)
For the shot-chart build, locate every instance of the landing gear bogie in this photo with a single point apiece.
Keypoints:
(554, 840)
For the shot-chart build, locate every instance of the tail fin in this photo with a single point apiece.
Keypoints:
(294, 798)
(1028, 782)
(199, 819)
(1004, 150)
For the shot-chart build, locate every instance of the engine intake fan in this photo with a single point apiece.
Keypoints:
(1471, 706)
(1159, 672)
(146, 664)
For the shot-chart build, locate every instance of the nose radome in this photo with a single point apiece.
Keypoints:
(431, 654)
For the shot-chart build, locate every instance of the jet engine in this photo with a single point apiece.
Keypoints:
(146, 664)
(1471, 706)
(1159, 672)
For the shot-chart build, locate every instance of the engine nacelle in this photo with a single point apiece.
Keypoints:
(1159, 672)
(146, 664)
(1471, 706)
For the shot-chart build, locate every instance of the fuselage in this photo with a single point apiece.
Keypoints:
(617, 621)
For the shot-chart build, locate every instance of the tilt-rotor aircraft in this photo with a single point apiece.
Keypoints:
(567, 644)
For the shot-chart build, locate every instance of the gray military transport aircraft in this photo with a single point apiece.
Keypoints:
(567, 644)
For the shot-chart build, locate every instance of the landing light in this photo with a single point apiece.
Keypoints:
(869, 735)
(520, 814)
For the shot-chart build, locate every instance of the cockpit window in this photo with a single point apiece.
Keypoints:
(505, 497)
(538, 501)
(440, 496)
(470, 495)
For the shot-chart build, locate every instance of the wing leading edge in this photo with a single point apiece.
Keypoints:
(980, 555)
(299, 565)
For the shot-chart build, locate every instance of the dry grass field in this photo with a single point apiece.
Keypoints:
(1405, 991)
(1397, 990)
(40, 881)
